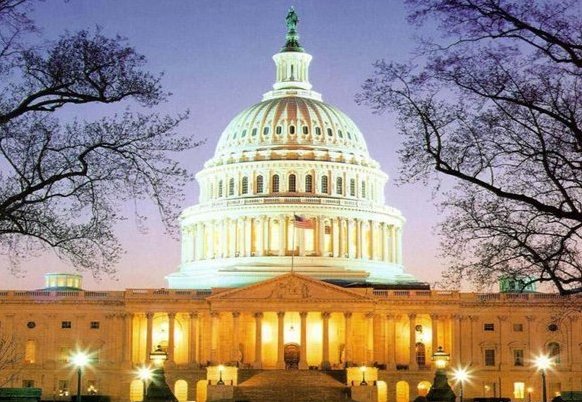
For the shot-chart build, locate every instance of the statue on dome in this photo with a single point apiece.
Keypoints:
(292, 20)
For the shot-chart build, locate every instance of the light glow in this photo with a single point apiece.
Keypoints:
(543, 362)
(80, 359)
(145, 373)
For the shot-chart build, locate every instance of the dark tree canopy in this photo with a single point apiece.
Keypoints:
(62, 182)
(496, 105)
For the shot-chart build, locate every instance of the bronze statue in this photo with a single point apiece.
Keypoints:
(292, 20)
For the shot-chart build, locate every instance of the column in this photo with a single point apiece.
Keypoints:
(266, 234)
(185, 245)
(370, 338)
(335, 237)
(258, 340)
(149, 328)
(171, 344)
(214, 328)
(321, 237)
(282, 237)
(248, 236)
(210, 237)
(223, 239)
(280, 340)
(260, 236)
(503, 353)
(127, 337)
(193, 349)
(390, 342)
(457, 357)
(412, 341)
(435, 336)
(398, 246)
(359, 238)
(235, 356)
(348, 338)
(575, 358)
(393, 256)
(303, 349)
(325, 365)
(474, 355)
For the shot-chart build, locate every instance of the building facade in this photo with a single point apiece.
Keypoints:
(290, 261)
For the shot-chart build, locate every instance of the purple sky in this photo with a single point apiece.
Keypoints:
(216, 59)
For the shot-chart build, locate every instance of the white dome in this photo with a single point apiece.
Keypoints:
(291, 187)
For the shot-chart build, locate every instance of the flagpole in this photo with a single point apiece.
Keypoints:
(293, 244)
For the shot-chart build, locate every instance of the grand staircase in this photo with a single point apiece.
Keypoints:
(291, 386)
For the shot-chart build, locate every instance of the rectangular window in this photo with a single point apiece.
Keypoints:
(66, 324)
(63, 388)
(94, 325)
(519, 390)
(518, 357)
(490, 357)
(517, 327)
(27, 383)
(64, 354)
(488, 327)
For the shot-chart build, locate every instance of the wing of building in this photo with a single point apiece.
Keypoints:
(291, 275)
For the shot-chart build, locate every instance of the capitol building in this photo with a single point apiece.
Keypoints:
(291, 270)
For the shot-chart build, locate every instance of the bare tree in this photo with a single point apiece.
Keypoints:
(10, 359)
(496, 106)
(61, 183)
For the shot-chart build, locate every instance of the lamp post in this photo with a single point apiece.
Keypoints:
(220, 368)
(543, 362)
(363, 370)
(158, 389)
(441, 390)
(461, 375)
(145, 373)
(79, 360)
(529, 391)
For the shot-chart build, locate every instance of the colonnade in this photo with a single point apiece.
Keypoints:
(267, 235)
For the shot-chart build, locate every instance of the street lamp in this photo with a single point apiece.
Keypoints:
(220, 368)
(441, 390)
(145, 374)
(159, 390)
(363, 370)
(79, 360)
(158, 356)
(529, 391)
(461, 375)
(543, 362)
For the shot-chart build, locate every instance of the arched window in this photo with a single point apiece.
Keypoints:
(324, 186)
(30, 352)
(305, 130)
(318, 131)
(211, 190)
(220, 188)
(554, 351)
(291, 130)
(245, 185)
(363, 189)
(266, 131)
(279, 130)
(423, 387)
(420, 354)
(402, 391)
(259, 184)
(353, 187)
(136, 388)
(181, 390)
(275, 183)
(329, 132)
(309, 183)
(231, 187)
(339, 185)
(292, 183)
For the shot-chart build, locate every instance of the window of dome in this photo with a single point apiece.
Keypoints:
(254, 133)
(324, 186)
(339, 185)
(234, 135)
(266, 131)
(279, 130)
(275, 183)
(353, 187)
(245, 185)
(317, 131)
(231, 187)
(243, 134)
(292, 183)
(309, 183)
(220, 188)
(305, 130)
(291, 130)
(329, 132)
(259, 184)
(349, 135)
(340, 134)
(363, 189)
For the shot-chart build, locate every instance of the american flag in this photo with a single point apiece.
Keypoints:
(302, 222)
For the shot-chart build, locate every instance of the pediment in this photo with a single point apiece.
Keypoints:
(291, 287)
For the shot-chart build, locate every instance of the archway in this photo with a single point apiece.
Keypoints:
(402, 391)
(291, 356)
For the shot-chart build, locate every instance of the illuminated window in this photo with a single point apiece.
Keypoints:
(292, 183)
(63, 387)
(308, 183)
(324, 186)
(339, 185)
(519, 390)
(245, 185)
(275, 183)
(353, 187)
(181, 390)
(30, 352)
(554, 351)
(518, 357)
(420, 354)
(231, 187)
(490, 357)
(259, 184)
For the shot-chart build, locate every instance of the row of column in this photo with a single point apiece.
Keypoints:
(265, 235)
